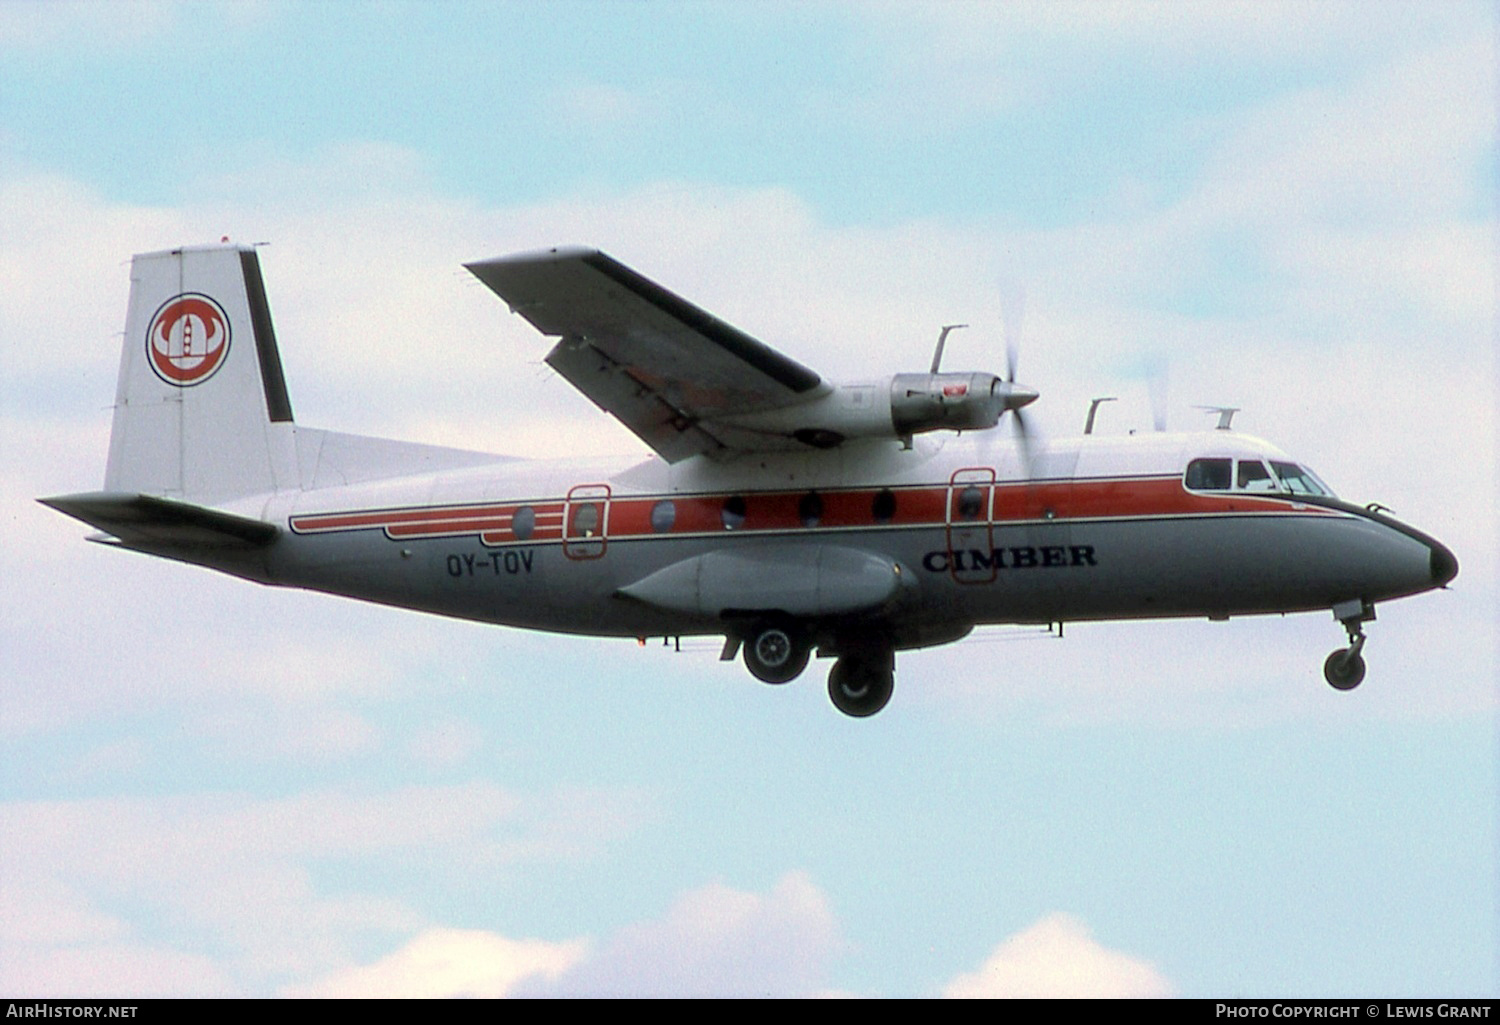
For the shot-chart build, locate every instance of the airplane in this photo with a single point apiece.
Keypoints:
(790, 515)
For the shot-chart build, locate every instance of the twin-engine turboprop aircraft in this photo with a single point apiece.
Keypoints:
(790, 515)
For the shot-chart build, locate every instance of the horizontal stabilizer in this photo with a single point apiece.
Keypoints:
(147, 521)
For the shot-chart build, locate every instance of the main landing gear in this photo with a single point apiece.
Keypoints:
(861, 685)
(777, 651)
(1344, 669)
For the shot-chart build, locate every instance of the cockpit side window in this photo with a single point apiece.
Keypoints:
(1299, 480)
(1253, 476)
(1208, 475)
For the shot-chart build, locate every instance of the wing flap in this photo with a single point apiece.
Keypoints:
(667, 429)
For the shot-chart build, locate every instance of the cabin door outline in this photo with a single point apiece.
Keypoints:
(586, 521)
(971, 525)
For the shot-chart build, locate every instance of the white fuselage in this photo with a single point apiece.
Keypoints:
(1098, 528)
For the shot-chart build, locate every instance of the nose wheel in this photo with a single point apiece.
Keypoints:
(1344, 669)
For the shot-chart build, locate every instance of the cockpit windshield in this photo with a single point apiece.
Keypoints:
(1299, 480)
(1222, 474)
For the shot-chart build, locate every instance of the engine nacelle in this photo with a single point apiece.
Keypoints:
(893, 407)
(954, 402)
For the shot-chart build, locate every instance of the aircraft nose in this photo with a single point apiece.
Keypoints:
(1444, 564)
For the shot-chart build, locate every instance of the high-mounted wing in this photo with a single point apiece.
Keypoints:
(664, 367)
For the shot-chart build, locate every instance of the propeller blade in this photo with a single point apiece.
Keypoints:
(1156, 386)
(1023, 440)
(1012, 316)
(1014, 395)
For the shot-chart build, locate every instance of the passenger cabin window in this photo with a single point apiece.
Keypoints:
(1209, 474)
(970, 503)
(810, 509)
(732, 515)
(663, 516)
(523, 523)
(585, 520)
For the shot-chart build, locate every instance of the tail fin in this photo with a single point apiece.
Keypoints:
(201, 412)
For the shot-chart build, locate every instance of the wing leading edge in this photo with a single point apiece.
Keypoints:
(666, 368)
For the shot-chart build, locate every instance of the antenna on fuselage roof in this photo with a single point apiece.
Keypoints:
(1226, 415)
(937, 356)
(1088, 426)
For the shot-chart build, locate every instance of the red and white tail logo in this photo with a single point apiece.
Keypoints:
(188, 339)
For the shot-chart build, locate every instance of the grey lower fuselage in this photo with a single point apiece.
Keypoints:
(1094, 531)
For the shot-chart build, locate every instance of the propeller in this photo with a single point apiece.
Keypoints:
(1014, 396)
(1012, 316)
(1156, 388)
(1006, 395)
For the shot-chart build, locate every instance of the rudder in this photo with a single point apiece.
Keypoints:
(201, 410)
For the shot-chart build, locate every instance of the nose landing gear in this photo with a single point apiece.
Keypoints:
(1344, 669)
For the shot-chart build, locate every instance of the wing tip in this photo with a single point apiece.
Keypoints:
(549, 254)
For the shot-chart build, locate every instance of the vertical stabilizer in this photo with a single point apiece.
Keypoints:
(201, 412)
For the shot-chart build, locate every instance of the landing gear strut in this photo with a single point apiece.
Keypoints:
(1344, 669)
(860, 685)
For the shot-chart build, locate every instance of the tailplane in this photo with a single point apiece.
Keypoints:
(201, 413)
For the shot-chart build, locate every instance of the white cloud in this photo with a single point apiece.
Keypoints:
(1058, 958)
(113, 971)
(1229, 30)
(442, 963)
(37, 909)
(717, 941)
(260, 877)
(96, 23)
(714, 941)
(963, 63)
(1401, 143)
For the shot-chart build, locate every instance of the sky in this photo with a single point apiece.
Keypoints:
(213, 788)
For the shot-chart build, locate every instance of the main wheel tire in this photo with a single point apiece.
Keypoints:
(861, 687)
(1344, 669)
(774, 653)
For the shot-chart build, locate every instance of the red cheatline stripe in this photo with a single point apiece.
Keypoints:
(475, 515)
(782, 511)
